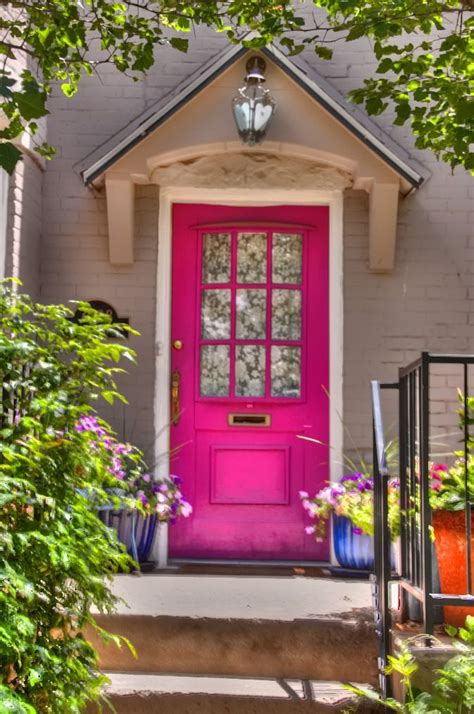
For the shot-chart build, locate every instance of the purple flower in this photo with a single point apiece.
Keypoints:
(141, 497)
(122, 449)
(351, 477)
(357, 531)
(89, 423)
(177, 480)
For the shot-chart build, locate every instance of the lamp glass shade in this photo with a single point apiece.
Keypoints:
(253, 108)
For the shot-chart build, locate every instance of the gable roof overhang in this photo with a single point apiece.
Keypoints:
(152, 148)
(412, 173)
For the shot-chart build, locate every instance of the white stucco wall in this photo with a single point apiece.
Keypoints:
(426, 303)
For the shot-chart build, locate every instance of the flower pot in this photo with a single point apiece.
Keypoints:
(450, 541)
(353, 551)
(135, 531)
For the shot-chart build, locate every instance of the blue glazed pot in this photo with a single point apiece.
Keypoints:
(135, 531)
(355, 552)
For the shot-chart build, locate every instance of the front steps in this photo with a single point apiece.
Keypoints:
(238, 644)
(172, 694)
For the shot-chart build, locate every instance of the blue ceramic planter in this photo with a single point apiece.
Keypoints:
(135, 531)
(355, 552)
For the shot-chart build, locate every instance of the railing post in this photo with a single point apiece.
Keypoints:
(382, 560)
(426, 539)
(403, 465)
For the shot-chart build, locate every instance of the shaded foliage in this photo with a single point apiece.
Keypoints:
(56, 557)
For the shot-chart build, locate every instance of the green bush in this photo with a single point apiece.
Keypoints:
(452, 691)
(57, 559)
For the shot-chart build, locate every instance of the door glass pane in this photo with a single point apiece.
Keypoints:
(215, 370)
(287, 254)
(250, 371)
(215, 314)
(286, 314)
(286, 371)
(251, 258)
(216, 258)
(251, 314)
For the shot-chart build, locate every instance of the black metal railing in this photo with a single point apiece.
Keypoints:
(417, 577)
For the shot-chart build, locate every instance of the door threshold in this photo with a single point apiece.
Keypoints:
(247, 563)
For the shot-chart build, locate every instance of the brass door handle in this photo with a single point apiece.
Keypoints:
(175, 397)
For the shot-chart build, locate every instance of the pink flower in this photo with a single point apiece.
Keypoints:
(186, 509)
(303, 494)
(309, 530)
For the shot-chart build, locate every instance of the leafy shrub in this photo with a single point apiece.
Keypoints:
(453, 686)
(56, 557)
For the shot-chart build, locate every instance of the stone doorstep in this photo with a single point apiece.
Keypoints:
(318, 649)
(283, 598)
(137, 693)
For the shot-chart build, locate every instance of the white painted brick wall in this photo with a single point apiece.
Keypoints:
(23, 243)
(75, 266)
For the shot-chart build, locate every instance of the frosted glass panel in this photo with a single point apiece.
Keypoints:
(287, 255)
(250, 371)
(215, 314)
(216, 258)
(286, 371)
(286, 314)
(215, 370)
(251, 314)
(251, 258)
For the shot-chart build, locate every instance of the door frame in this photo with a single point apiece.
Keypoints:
(170, 195)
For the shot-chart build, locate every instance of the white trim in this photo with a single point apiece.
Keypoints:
(245, 197)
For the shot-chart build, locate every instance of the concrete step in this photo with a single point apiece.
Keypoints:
(324, 649)
(174, 694)
(287, 627)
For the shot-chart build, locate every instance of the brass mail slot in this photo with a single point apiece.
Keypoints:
(250, 419)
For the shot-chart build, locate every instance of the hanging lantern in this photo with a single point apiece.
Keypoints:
(253, 106)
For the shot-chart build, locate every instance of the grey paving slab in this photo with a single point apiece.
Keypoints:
(242, 597)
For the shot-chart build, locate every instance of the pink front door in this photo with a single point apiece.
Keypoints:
(250, 373)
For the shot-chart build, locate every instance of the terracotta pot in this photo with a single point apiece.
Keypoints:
(450, 541)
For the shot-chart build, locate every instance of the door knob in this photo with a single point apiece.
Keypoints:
(177, 345)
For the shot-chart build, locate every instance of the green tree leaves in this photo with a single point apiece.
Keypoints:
(425, 52)
(56, 557)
